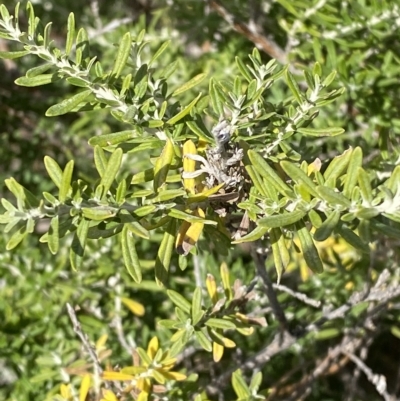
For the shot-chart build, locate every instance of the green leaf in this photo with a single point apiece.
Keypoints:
(266, 171)
(160, 51)
(282, 220)
(37, 80)
(197, 312)
(243, 69)
(100, 160)
(294, 88)
(17, 238)
(53, 170)
(279, 251)
(53, 235)
(70, 34)
(199, 131)
(352, 170)
(220, 323)
(353, 239)
(78, 245)
(178, 214)
(183, 112)
(333, 197)
(299, 176)
(68, 104)
(327, 227)
(122, 55)
(13, 55)
(99, 213)
(216, 102)
(190, 84)
(203, 340)
(41, 69)
(164, 254)
(309, 250)
(365, 186)
(113, 166)
(65, 184)
(180, 301)
(332, 131)
(82, 51)
(239, 385)
(337, 166)
(254, 235)
(129, 254)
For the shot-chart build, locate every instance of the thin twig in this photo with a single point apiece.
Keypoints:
(298, 295)
(379, 381)
(259, 261)
(85, 341)
(263, 43)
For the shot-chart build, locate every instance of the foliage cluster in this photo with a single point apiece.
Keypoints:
(213, 177)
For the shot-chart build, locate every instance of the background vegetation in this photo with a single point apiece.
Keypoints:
(315, 335)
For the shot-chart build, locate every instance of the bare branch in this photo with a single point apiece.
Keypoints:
(259, 260)
(85, 341)
(263, 43)
(298, 295)
(379, 381)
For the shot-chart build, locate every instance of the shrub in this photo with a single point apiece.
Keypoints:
(235, 214)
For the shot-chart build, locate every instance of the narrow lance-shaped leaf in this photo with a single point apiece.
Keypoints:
(332, 131)
(68, 104)
(190, 234)
(122, 55)
(365, 186)
(13, 55)
(54, 170)
(333, 197)
(266, 171)
(180, 301)
(189, 165)
(164, 253)
(163, 165)
(113, 166)
(240, 386)
(279, 251)
(65, 184)
(53, 235)
(160, 51)
(337, 166)
(309, 249)
(326, 228)
(70, 34)
(281, 220)
(197, 311)
(16, 238)
(184, 112)
(220, 323)
(190, 84)
(352, 169)
(85, 386)
(298, 175)
(112, 139)
(78, 244)
(203, 340)
(256, 234)
(215, 100)
(353, 239)
(37, 80)
(224, 271)
(293, 86)
(100, 160)
(129, 254)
